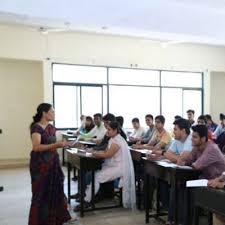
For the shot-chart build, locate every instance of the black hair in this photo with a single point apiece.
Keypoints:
(161, 118)
(98, 115)
(115, 126)
(183, 124)
(135, 120)
(190, 111)
(120, 120)
(177, 117)
(109, 117)
(222, 116)
(43, 107)
(208, 117)
(91, 126)
(202, 117)
(149, 116)
(202, 131)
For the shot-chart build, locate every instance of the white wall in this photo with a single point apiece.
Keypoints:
(81, 48)
(217, 94)
(21, 89)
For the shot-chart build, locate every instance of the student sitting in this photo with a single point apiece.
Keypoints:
(98, 132)
(221, 127)
(148, 135)
(202, 121)
(117, 164)
(219, 183)
(160, 139)
(138, 131)
(205, 155)
(210, 124)
(89, 125)
(181, 144)
(190, 116)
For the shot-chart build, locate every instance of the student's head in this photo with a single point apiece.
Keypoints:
(89, 121)
(107, 118)
(135, 123)
(120, 120)
(98, 119)
(199, 135)
(201, 120)
(113, 129)
(177, 117)
(149, 120)
(208, 119)
(181, 128)
(159, 122)
(44, 111)
(82, 117)
(222, 119)
(190, 114)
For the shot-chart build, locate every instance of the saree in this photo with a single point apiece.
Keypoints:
(48, 203)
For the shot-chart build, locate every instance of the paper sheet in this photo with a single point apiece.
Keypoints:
(197, 183)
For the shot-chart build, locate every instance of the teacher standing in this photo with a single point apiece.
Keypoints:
(49, 203)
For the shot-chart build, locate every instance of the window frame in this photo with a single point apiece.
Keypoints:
(118, 67)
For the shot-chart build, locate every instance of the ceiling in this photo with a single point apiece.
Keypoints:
(189, 21)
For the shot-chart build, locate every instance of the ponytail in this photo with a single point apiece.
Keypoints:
(43, 107)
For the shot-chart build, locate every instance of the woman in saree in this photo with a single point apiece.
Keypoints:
(49, 203)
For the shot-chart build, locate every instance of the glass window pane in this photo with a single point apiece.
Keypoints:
(171, 105)
(133, 77)
(65, 106)
(192, 100)
(131, 102)
(79, 74)
(91, 98)
(181, 79)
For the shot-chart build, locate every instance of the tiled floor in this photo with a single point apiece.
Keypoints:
(15, 203)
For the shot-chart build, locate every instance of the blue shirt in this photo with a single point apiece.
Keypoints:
(177, 146)
(219, 130)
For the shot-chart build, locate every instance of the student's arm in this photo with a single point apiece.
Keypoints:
(37, 146)
(171, 156)
(108, 153)
(206, 159)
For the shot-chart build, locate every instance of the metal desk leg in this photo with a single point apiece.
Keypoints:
(187, 207)
(196, 216)
(147, 198)
(210, 218)
(68, 181)
(81, 191)
(93, 190)
(176, 200)
(158, 198)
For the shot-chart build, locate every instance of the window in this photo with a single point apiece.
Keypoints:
(79, 74)
(133, 77)
(65, 103)
(131, 102)
(171, 104)
(181, 79)
(126, 92)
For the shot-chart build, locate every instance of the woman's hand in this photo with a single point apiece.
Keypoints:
(62, 144)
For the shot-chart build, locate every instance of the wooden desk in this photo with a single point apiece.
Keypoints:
(77, 158)
(210, 199)
(66, 137)
(88, 143)
(136, 155)
(172, 174)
